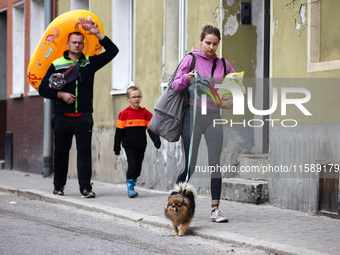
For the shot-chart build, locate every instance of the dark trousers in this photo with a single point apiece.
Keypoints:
(214, 139)
(64, 129)
(135, 158)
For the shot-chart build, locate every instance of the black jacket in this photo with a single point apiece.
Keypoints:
(82, 87)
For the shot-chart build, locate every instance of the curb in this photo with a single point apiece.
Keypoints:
(161, 222)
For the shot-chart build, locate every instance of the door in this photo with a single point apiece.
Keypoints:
(329, 190)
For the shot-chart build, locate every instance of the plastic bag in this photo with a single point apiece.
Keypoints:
(234, 79)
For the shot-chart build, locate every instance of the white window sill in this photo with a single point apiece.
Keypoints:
(14, 96)
(33, 93)
(115, 92)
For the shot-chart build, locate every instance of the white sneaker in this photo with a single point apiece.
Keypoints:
(217, 216)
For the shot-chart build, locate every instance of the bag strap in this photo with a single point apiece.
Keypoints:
(214, 66)
(193, 126)
(224, 66)
(192, 67)
(193, 62)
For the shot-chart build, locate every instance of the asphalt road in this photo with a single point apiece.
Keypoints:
(36, 227)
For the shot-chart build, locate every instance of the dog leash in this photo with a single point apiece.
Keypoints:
(194, 86)
(205, 87)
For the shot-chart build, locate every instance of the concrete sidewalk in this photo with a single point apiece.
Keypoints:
(262, 226)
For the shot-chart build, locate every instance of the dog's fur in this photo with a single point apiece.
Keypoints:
(180, 207)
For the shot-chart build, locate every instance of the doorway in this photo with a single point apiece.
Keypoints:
(329, 190)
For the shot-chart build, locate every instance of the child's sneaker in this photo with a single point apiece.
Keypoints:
(217, 216)
(130, 188)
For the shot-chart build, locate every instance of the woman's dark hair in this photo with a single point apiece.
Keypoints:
(209, 29)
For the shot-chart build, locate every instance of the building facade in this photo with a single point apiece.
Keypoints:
(278, 44)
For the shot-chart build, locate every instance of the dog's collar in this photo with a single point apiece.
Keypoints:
(175, 193)
(179, 193)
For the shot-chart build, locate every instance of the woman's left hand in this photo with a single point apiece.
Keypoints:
(228, 103)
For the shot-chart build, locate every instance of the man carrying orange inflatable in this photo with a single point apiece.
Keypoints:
(69, 82)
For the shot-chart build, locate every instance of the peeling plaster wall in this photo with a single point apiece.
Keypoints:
(240, 41)
(231, 25)
(298, 190)
(200, 12)
(316, 137)
(289, 38)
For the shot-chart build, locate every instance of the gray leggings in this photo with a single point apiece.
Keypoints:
(214, 139)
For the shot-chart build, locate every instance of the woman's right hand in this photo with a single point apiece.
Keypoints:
(228, 103)
(191, 76)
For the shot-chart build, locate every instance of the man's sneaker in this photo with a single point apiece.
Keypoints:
(87, 194)
(217, 216)
(59, 192)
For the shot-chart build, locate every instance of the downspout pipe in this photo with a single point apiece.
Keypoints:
(266, 70)
(48, 144)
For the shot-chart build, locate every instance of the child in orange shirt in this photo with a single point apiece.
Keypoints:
(130, 132)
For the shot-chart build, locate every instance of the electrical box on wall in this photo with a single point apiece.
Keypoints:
(246, 13)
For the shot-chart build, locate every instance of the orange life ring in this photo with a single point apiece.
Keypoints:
(53, 42)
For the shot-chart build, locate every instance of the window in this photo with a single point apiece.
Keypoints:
(123, 34)
(318, 59)
(37, 27)
(175, 37)
(79, 4)
(182, 29)
(18, 46)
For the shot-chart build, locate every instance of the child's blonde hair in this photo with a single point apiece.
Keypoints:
(132, 88)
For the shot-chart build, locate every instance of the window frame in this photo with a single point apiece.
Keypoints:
(123, 68)
(313, 41)
(18, 50)
(37, 28)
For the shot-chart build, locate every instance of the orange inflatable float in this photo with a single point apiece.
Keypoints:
(53, 42)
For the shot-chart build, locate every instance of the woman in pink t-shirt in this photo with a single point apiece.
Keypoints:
(205, 58)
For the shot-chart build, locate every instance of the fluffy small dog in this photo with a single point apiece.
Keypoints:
(180, 207)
